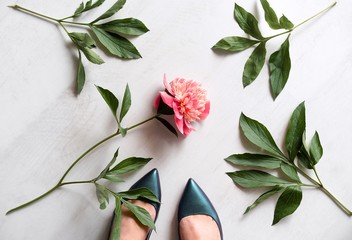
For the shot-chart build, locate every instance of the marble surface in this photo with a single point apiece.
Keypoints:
(44, 126)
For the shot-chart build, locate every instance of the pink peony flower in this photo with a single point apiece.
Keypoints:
(188, 101)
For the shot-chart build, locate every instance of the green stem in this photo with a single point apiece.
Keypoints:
(338, 203)
(316, 174)
(58, 21)
(145, 121)
(61, 183)
(290, 30)
(34, 13)
(85, 153)
(34, 200)
(320, 186)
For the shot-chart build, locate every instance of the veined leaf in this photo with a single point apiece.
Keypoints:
(254, 160)
(279, 67)
(295, 130)
(110, 99)
(129, 165)
(126, 103)
(112, 10)
(259, 135)
(270, 15)
(106, 169)
(102, 195)
(92, 56)
(116, 225)
(285, 23)
(116, 45)
(263, 197)
(167, 125)
(254, 64)
(81, 76)
(129, 26)
(255, 179)
(141, 214)
(88, 6)
(304, 158)
(234, 44)
(247, 22)
(139, 193)
(82, 39)
(290, 172)
(287, 203)
(315, 149)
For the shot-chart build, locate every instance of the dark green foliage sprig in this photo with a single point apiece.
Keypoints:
(289, 165)
(110, 35)
(279, 61)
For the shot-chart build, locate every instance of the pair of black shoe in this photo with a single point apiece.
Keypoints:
(193, 200)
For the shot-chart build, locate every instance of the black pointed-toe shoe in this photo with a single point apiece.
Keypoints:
(195, 202)
(152, 182)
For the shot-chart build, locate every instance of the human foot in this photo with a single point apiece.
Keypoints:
(199, 227)
(131, 228)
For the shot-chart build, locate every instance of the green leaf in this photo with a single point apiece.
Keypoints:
(79, 10)
(295, 130)
(234, 44)
(315, 150)
(167, 125)
(279, 68)
(255, 179)
(113, 177)
(263, 197)
(82, 39)
(290, 172)
(112, 10)
(129, 165)
(81, 75)
(102, 195)
(116, 45)
(141, 214)
(106, 169)
(285, 23)
(85, 42)
(92, 56)
(116, 225)
(139, 193)
(128, 26)
(88, 6)
(254, 160)
(126, 103)
(110, 99)
(259, 135)
(304, 158)
(270, 15)
(254, 64)
(247, 22)
(287, 203)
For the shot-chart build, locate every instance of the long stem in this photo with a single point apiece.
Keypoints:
(85, 153)
(63, 20)
(34, 13)
(320, 186)
(316, 174)
(338, 203)
(296, 26)
(61, 183)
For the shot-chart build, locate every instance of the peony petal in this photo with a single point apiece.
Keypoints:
(176, 111)
(167, 85)
(157, 102)
(187, 128)
(179, 124)
(167, 99)
(205, 113)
